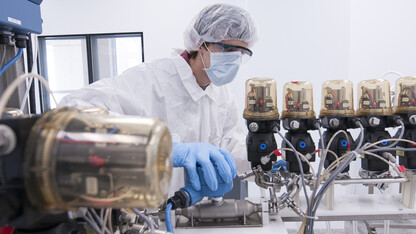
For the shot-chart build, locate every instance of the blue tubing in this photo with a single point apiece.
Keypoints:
(167, 217)
(12, 61)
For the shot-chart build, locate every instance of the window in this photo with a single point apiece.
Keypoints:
(70, 62)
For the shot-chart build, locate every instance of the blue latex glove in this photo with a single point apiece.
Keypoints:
(280, 163)
(189, 155)
(196, 196)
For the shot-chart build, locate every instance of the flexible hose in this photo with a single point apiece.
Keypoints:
(146, 219)
(12, 61)
(167, 218)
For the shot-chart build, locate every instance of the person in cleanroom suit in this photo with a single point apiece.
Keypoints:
(190, 93)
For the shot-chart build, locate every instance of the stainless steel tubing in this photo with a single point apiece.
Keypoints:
(227, 209)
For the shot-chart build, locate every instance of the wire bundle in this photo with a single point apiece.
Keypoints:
(326, 177)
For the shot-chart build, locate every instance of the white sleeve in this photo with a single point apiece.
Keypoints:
(234, 138)
(114, 94)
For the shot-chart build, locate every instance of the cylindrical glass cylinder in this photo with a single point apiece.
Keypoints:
(298, 100)
(337, 98)
(261, 99)
(78, 159)
(374, 97)
(405, 95)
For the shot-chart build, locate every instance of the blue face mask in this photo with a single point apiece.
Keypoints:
(223, 66)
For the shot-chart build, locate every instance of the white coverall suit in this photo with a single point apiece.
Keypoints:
(166, 89)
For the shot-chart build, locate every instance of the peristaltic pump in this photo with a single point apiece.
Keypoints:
(262, 118)
(405, 107)
(298, 117)
(375, 113)
(337, 113)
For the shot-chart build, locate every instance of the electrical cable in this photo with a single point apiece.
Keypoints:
(167, 217)
(345, 160)
(391, 72)
(333, 154)
(304, 158)
(88, 214)
(373, 102)
(110, 222)
(327, 150)
(332, 176)
(397, 149)
(10, 89)
(25, 97)
(395, 143)
(102, 213)
(336, 99)
(12, 61)
(92, 224)
(411, 90)
(333, 166)
(300, 165)
(325, 187)
(321, 165)
(146, 219)
(386, 140)
(98, 219)
(309, 221)
(361, 136)
(103, 227)
(384, 160)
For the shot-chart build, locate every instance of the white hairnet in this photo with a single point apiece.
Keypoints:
(219, 22)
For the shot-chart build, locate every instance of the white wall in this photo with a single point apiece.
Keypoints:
(299, 39)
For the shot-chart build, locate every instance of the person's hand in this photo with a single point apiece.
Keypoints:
(189, 155)
(197, 196)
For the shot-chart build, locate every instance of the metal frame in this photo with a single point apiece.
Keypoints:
(45, 102)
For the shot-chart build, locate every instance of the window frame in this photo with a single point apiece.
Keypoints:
(42, 65)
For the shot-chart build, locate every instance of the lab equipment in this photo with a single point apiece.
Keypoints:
(262, 117)
(375, 113)
(12, 61)
(337, 113)
(298, 118)
(74, 158)
(337, 98)
(20, 16)
(283, 186)
(298, 100)
(405, 107)
(235, 213)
